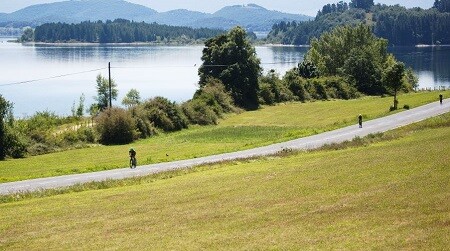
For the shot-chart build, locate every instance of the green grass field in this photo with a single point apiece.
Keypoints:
(388, 195)
(236, 132)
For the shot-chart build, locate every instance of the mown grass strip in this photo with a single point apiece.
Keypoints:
(385, 195)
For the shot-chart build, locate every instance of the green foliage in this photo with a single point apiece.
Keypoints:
(102, 97)
(209, 103)
(393, 79)
(307, 69)
(16, 143)
(132, 98)
(341, 6)
(400, 26)
(5, 120)
(80, 108)
(165, 114)
(411, 80)
(198, 112)
(115, 126)
(302, 33)
(362, 4)
(403, 26)
(143, 124)
(322, 88)
(27, 36)
(232, 59)
(355, 53)
(272, 90)
(118, 31)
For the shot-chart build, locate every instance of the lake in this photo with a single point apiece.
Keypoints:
(60, 74)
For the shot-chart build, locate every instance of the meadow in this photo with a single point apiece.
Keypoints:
(390, 192)
(270, 124)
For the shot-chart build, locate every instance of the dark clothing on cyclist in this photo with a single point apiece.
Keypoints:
(360, 120)
(132, 153)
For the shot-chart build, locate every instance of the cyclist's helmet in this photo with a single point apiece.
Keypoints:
(131, 149)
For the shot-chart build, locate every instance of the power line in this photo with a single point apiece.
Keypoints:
(132, 67)
(53, 77)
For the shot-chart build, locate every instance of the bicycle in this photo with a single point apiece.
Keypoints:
(133, 162)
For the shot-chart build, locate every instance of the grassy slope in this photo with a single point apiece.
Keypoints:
(388, 195)
(237, 132)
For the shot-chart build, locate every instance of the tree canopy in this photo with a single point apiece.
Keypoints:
(352, 52)
(102, 97)
(362, 4)
(232, 59)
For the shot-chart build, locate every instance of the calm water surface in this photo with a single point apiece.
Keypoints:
(65, 72)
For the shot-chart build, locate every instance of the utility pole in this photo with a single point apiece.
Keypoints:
(110, 92)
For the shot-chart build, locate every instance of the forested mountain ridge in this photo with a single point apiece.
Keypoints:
(252, 17)
(401, 26)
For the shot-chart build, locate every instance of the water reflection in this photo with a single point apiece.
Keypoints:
(432, 64)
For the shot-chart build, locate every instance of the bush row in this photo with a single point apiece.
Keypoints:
(292, 87)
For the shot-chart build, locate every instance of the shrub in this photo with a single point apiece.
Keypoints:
(16, 144)
(143, 124)
(198, 112)
(272, 90)
(406, 107)
(266, 95)
(165, 114)
(214, 94)
(116, 126)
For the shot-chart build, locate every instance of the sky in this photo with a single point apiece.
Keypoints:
(306, 7)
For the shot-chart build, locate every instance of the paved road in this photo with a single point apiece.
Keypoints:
(336, 136)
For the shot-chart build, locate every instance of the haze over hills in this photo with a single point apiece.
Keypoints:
(252, 16)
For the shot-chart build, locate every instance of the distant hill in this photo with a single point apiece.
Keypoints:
(252, 17)
(76, 11)
(255, 17)
(178, 17)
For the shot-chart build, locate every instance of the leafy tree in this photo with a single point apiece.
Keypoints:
(102, 97)
(116, 126)
(392, 77)
(352, 52)
(232, 59)
(132, 98)
(5, 110)
(411, 78)
(28, 35)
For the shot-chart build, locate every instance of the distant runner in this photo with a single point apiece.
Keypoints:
(440, 98)
(360, 120)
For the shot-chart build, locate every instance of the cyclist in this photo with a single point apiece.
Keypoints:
(132, 154)
(360, 120)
